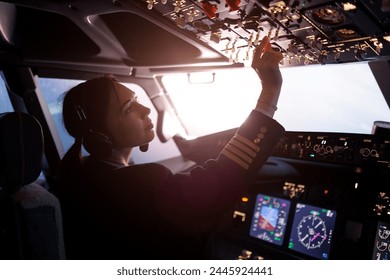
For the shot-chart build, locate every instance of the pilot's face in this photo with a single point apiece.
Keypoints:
(127, 120)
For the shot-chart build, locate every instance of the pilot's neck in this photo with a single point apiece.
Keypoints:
(121, 157)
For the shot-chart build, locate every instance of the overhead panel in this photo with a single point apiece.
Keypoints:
(306, 32)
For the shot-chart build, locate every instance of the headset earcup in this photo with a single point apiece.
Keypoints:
(97, 144)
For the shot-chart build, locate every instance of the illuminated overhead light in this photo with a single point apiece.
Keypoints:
(151, 4)
(349, 7)
(178, 5)
(387, 38)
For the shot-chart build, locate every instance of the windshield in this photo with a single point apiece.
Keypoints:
(326, 98)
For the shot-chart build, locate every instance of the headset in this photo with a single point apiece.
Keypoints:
(97, 143)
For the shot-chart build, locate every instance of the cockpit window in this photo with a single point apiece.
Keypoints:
(313, 98)
(326, 98)
(5, 103)
(53, 91)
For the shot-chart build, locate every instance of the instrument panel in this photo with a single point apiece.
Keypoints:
(321, 196)
(336, 148)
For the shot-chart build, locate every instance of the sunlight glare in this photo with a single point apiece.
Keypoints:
(209, 107)
(313, 98)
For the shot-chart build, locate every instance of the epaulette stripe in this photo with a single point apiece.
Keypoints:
(247, 142)
(243, 147)
(239, 153)
(235, 159)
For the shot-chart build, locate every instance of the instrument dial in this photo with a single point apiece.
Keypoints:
(311, 231)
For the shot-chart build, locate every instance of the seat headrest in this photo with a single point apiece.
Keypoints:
(21, 149)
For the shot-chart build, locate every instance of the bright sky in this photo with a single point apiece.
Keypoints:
(328, 98)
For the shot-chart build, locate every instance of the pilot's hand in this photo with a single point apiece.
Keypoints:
(266, 64)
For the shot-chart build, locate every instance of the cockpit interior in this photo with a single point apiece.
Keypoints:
(324, 192)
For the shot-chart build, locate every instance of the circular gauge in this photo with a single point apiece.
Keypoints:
(201, 26)
(384, 233)
(382, 246)
(328, 15)
(311, 231)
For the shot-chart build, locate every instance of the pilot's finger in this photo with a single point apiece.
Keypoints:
(276, 57)
(267, 47)
(270, 59)
(259, 50)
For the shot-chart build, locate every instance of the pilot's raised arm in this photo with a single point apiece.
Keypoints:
(266, 64)
(212, 187)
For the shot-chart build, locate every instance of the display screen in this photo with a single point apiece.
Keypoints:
(269, 219)
(382, 242)
(312, 231)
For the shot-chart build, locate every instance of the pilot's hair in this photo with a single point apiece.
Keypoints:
(85, 106)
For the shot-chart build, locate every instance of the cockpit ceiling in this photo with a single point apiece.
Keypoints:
(95, 35)
(128, 34)
(306, 31)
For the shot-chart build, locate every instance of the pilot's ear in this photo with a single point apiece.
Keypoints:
(98, 144)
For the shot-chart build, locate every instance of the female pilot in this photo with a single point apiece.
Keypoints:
(116, 210)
